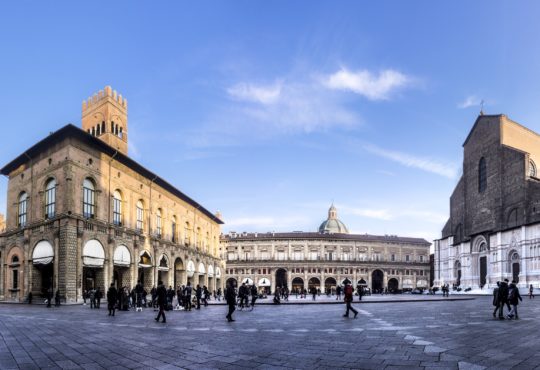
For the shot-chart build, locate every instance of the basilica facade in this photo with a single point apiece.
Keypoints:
(325, 259)
(82, 214)
(493, 232)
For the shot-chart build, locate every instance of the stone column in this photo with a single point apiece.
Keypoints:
(272, 280)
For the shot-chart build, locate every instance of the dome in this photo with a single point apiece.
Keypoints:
(333, 225)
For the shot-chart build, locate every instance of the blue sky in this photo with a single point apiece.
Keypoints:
(269, 111)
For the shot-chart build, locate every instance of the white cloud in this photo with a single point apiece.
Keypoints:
(409, 160)
(288, 107)
(367, 84)
(470, 101)
(254, 93)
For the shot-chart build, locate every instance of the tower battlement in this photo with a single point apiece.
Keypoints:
(104, 115)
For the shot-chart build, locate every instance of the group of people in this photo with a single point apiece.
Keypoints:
(507, 295)
(94, 295)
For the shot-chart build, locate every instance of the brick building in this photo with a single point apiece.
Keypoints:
(494, 227)
(81, 214)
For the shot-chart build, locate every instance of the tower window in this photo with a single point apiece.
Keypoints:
(482, 175)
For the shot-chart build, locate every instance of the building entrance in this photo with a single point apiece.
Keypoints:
(377, 281)
(281, 278)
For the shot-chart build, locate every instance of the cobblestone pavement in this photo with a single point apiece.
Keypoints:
(453, 334)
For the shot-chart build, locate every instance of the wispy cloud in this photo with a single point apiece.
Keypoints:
(289, 106)
(368, 84)
(470, 101)
(264, 94)
(426, 164)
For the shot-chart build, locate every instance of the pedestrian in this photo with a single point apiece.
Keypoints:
(180, 297)
(230, 297)
(531, 292)
(161, 292)
(338, 293)
(513, 298)
(503, 298)
(57, 298)
(206, 295)
(198, 295)
(314, 293)
(496, 298)
(84, 297)
(254, 295)
(187, 297)
(112, 295)
(139, 291)
(153, 293)
(98, 295)
(219, 294)
(348, 297)
(30, 298)
(92, 297)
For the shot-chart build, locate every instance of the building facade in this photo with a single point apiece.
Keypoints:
(82, 214)
(324, 259)
(493, 231)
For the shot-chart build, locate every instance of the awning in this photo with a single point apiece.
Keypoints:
(202, 269)
(362, 282)
(122, 256)
(190, 269)
(422, 283)
(43, 253)
(163, 263)
(407, 284)
(145, 260)
(218, 273)
(93, 254)
(346, 281)
(247, 281)
(264, 282)
(210, 271)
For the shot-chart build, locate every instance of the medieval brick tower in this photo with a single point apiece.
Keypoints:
(104, 115)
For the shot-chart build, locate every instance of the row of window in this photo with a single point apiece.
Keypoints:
(314, 256)
(342, 271)
(89, 211)
(100, 129)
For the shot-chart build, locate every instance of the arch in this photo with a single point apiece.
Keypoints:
(297, 284)
(43, 253)
(15, 259)
(281, 278)
(202, 269)
(247, 281)
(122, 256)
(145, 259)
(393, 285)
(210, 271)
(178, 264)
(377, 277)
(514, 265)
(264, 282)
(480, 244)
(314, 283)
(93, 254)
(232, 281)
(50, 198)
(512, 219)
(482, 175)
(330, 285)
(190, 269)
(178, 271)
(163, 263)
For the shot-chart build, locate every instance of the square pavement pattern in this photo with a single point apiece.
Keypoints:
(452, 335)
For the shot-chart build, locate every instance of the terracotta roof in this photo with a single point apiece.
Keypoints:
(71, 131)
(319, 236)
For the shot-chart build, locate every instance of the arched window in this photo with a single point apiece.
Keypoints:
(158, 223)
(187, 240)
(93, 131)
(532, 168)
(117, 208)
(98, 129)
(173, 229)
(89, 206)
(102, 127)
(112, 127)
(23, 205)
(199, 237)
(482, 175)
(121, 134)
(50, 199)
(140, 216)
(15, 259)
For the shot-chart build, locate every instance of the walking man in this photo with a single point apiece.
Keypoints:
(513, 298)
(162, 301)
(198, 295)
(531, 292)
(503, 297)
(112, 295)
(348, 294)
(230, 297)
(496, 299)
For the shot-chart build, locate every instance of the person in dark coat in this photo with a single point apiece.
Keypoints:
(57, 298)
(348, 297)
(99, 295)
(496, 299)
(230, 297)
(49, 296)
(503, 298)
(198, 295)
(112, 295)
(161, 301)
(513, 298)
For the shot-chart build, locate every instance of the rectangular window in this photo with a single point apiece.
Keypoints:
(117, 211)
(158, 225)
(421, 258)
(173, 232)
(22, 212)
(330, 256)
(140, 218)
(393, 258)
(88, 202)
(264, 255)
(231, 256)
(50, 202)
(281, 256)
(407, 258)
